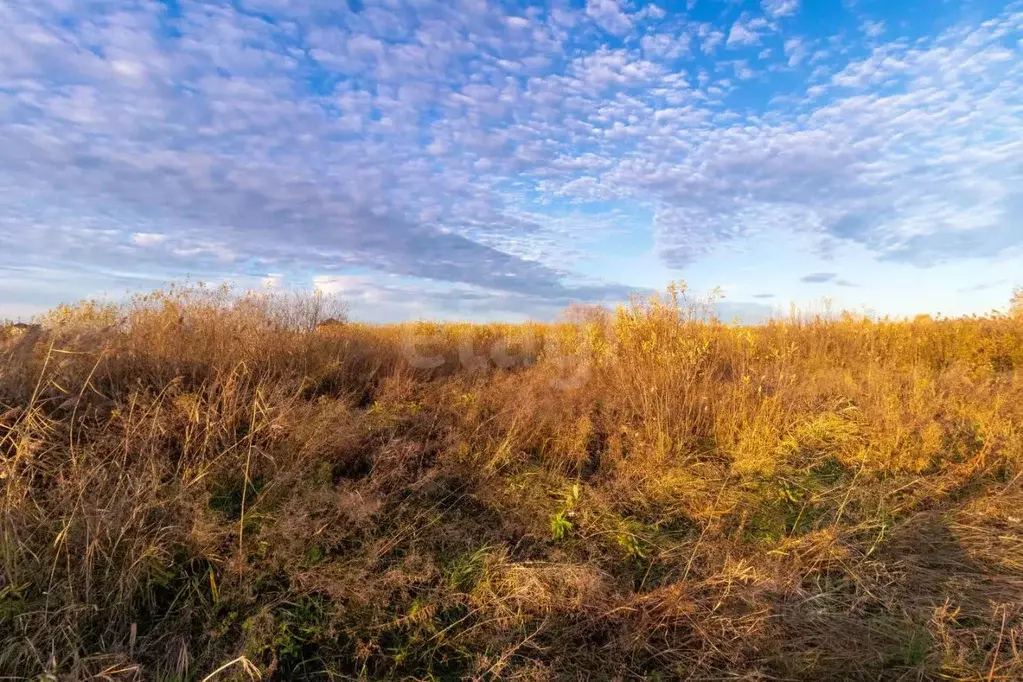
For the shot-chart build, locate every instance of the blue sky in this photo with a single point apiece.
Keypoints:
(496, 159)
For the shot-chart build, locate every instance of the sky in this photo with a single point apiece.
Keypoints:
(502, 159)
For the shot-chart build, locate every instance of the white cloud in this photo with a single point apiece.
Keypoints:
(345, 285)
(148, 238)
(746, 31)
(780, 8)
(608, 15)
(651, 12)
(873, 29)
(665, 45)
(742, 70)
(710, 38)
(796, 51)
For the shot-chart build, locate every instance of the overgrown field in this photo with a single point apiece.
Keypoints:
(195, 484)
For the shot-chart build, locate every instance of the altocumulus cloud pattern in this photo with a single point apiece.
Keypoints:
(484, 152)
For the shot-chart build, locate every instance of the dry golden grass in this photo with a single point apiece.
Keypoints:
(200, 486)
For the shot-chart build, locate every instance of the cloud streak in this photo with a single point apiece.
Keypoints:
(826, 278)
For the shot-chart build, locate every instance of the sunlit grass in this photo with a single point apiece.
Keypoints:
(199, 483)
